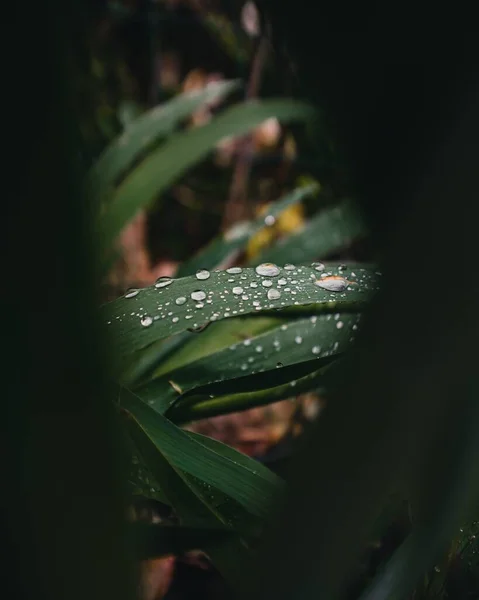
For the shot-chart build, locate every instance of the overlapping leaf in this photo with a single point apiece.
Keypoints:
(183, 150)
(146, 130)
(236, 239)
(286, 344)
(299, 380)
(207, 483)
(155, 313)
(331, 230)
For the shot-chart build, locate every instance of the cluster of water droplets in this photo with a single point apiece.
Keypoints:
(272, 287)
(300, 337)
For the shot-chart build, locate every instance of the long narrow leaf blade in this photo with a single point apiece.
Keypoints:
(154, 313)
(147, 129)
(291, 343)
(331, 230)
(236, 239)
(182, 151)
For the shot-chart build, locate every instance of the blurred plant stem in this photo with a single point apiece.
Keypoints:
(238, 207)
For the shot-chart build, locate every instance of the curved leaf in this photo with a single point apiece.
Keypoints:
(156, 313)
(290, 343)
(195, 409)
(329, 231)
(231, 473)
(238, 236)
(208, 484)
(144, 131)
(182, 151)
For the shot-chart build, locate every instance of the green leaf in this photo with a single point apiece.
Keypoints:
(218, 336)
(208, 484)
(184, 412)
(226, 470)
(154, 313)
(329, 231)
(182, 151)
(145, 361)
(152, 541)
(154, 125)
(286, 344)
(238, 236)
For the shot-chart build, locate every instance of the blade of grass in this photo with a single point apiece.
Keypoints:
(183, 150)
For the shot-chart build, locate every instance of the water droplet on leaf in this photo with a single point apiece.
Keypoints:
(198, 295)
(162, 282)
(269, 220)
(202, 274)
(273, 294)
(332, 283)
(181, 300)
(132, 293)
(268, 270)
(198, 328)
(146, 321)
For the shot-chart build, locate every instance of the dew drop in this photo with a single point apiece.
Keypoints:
(259, 348)
(181, 300)
(269, 220)
(202, 274)
(314, 319)
(247, 342)
(289, 267)
(132, 293)
(162, 282)
(266, 283)
(253, 284)
(237, 291)
(316, 349)
(175, 319)
(339, 325)
(198, 295)
(332, 283)
(198, 328)
(146, 321)
(298, 339)
(279, 365)
(268, 270)
(318, 266)
(273, 294)
(234, 270)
